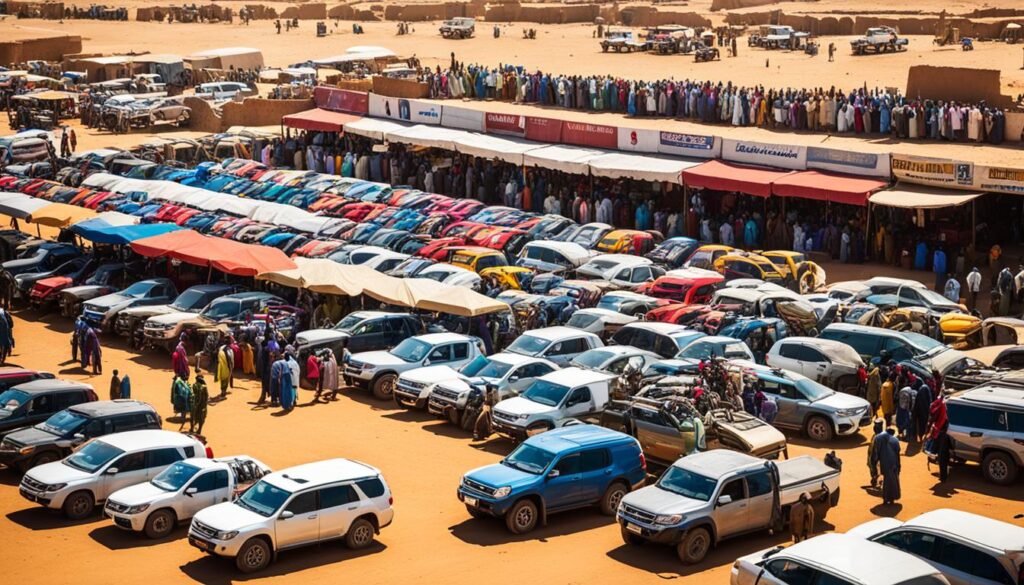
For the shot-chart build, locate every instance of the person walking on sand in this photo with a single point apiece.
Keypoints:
(223, 369)
(973, 288)
(938, 443)
(200, 400)
(801, 518)
(922, 404)
(92, 353)
(181, 399)
(179, 360)
(905, 411)
(874, 389)
(879, 428)
(115, 386)
(888, 398)
(126, 387)
(886, 454)
(6, 335)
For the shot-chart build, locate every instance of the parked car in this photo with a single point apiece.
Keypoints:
(969, 549)
(223, 90)
(708, 497)
(58, 435)
(71, 292)
(664, 339)
(364, 331)
(833, 558)
(558, 344)
(13, 376)
(828, 362)
(613, 359)
(33, 402)
(986, 426)
(586, 235)
(157, 506)
(673, 252)
(689, 285)
(102, 311)
(451, 274)
(573, 467)
(192, 300)
(460, 27)
(70, 268)
(705, 347)
(872, 342)
(624, 270)
(551, 256)
(40, 258)
(630, 303)
(509, 373)
(378, 371)
(86, 477)
(302, 505)
(600, 322)
(552, 401)
(165, 330)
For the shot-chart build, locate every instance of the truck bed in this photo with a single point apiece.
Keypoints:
(804, 474)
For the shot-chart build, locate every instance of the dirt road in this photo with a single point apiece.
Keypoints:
(432, 540)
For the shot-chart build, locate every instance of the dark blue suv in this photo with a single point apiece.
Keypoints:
(570, 467)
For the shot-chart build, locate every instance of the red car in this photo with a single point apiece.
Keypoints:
(10, 377)
(688, 290)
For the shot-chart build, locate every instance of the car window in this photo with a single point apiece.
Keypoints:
(372, 487)
(734, 489)
(66, 399)
(375, 326)
(915, 543)
(782, 389)
(1016, 421)
(130, 421)
(487, 262)
(210, 481)
(337, 495)
(98, 428)
(130, 462)
(622, 274)
(578, 396)
(302, 503)
(641, 273)
(644, 339)
(441, 354)
(969, 560)
(790, 572)
(759, 484)
(664, 345)
(862, 343)
(568, 347)
(624, 336)
(594, 460)
(568, 465)
(897, 349)
(461, 351)
(829, 579)
(965, 415)
(162, 457)
(533, 370)
(42, 405)
(648, 415)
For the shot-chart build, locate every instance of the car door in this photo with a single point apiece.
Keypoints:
(642, 274)
(131, 469)
(595, 473)
(211, 487)
(787, 358)
(339, 506)
(563, 489)
(299, 521)
(39, 409)
(578, 402)
(622, 277)
(562, 352)
(370, 335)
(973, 427)
(965, 565)
(658, 438)
(762, 498)
(523, 376)
(441, 354)
(732, 517)
(787, 400)
(908, 297)
(789, 572)
(460, 354)
(160, 459)
(815, 365)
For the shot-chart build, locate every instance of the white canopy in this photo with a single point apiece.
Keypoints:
(375, 128)
(357, 53)
(427, 136)
(619, 165)
(116, 218)
(292, 217)
(20, 206)
(921, 197)
(568, 159)
(509, 150)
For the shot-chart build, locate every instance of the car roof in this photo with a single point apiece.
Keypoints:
(974, 527)
(657, 327)
(716, 463)
(51, 385)
(744, 294)
(318, 473)
(434, 338)
(109, 407)
(570, 249)
(209, 287)
(376, 314)
(854, 328)
(558, 332)
(573, 377)
(995, 395)
(248, 295)
(629, 294)
(891, 281)
(846, 554)
(623, 259)
(147, 439)
(574, 436)
(515, 359)
(621, 350)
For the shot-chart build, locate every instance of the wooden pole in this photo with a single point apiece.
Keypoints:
(974, 223)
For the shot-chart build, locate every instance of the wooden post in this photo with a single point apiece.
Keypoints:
(974, 222)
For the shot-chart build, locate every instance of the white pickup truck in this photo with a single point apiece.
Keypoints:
(181, 490)
(553, 400)
(705, 498)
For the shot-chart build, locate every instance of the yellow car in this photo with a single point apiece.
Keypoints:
(475, 258)
(508, 277)
(627, 242)
(705, 256)
(805, 276)
(741, 264)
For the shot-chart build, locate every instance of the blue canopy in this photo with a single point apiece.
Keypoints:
(123, 234)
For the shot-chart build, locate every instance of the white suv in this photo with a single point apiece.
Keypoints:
(298, 506)
(558, 344)
(986, 425)
(76, 483)
(379, 370)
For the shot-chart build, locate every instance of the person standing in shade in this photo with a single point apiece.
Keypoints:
(973, 287)
(6, 335)
(886, 454)
(126, 387)
(328, 375)
(200, 400)
(115, 386)
(874, 390)
(801, 518)
(939, 269)
(905, 411)
(922, 404)
(224, 359)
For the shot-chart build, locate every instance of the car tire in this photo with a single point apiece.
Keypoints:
(819, 429)
(255, 555)
(695, 546)
(999, 468)
(384, 386)
(612, 496)
(522, 517)
(79, 505)
(630, 538)
(360, 534)
(160, 523)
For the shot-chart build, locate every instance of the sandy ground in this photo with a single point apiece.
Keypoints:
(432, 540)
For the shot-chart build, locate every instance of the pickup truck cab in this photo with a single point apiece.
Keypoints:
(365, 331)
(192, 300)
(574, 467)
(102, 311)
(103, 466)
(70, 292)
(552, 401)
(164, 330)
(510, 373)
(708, 497)
(379, 370)
(33, 402)
(299, 506)
(557, 344)
(178, 492)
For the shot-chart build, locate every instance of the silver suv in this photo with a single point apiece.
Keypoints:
(986, 425)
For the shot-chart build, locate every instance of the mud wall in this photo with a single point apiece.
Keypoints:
(203, 118)
(717, 5)
(651, 16)
(515, 12)
(261, 112)
(346, 12)
(401, 88)
(846, 25)
(957, 83)
(311, 11)
(48, 49)
(46, 10)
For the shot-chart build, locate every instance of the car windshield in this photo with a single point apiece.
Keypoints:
(175, 476)
(581, 320)
(100, 277)
(735, 350)
(687, 484)
(594, 358)
(263, 498)
(474, 367)
(922, 343)
(546, 393)
(438, 275)
(12, 399)
(601, 265)
(189, 300)
(219, 310)
(138, 290)
(411, 350)
(699, 350)
(93, 456)
(528, 344)
(493, 369)
(529, 459)
(63, 423)
(813, 390)
(933, 297)
(349, 323)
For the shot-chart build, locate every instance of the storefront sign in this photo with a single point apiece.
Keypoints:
(636, 140)
(507, 124)
(544, 129)
(406, 110)
(783, 156)
(999, 179)
(463, 118)
(341, 100)
(696, 145)
(848, 161)
(593, 135)
(933, 171)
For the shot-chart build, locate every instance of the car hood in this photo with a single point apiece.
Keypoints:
(85, 291)
(874, 527)
(839, 401)
(378, 358)
(520, 405)
(171, 318)
(228, 516)
(499, 475)
(57, 472)
(430, 374)
(108, 301)
(591, 271)
(944, 360)
(149, 311)
(320, 336)
(32, 436)
(138, 494)
(655, 500)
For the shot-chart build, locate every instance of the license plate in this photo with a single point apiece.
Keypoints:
(471, 501)
(634, 528)
(200, 543)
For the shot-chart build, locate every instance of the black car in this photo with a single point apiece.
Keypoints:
(46, 256)
(33, 402)
(55, 437)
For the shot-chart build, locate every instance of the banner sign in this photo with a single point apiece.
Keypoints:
(341, 100)
(632, 139)
(544, 129)
(507, 124)
(593, 135)
(848, 161)
(463, 118)
(783, 156)
(933, 171)
(406, 110)
(695, 145)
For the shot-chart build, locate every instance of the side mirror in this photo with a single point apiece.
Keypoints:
(286, 515)
(77, 439)
(111, 471)
(553, 474)
(513, 379)
(724, 500)
(191, 491)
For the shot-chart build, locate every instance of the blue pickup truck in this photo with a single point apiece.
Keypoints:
(562, 469)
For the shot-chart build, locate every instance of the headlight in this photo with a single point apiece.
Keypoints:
(502, 492)
(848, 412)
(669, 520)
(26, 450)
(137, 509)
(524, 416)
(367, 366)
(222, 535)
(55, 487)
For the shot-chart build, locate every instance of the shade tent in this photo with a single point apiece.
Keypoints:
(430, 295)
(20, 206)
(723, 176)
(827, 187)
(225, 255)
(121, 234)
(108, 218)
(621, 165)
(922, 197)
(427, 136)
(319, 120)
(568, 159)
(374, 128)
(60, 215)
(292, 217)
(488, 146)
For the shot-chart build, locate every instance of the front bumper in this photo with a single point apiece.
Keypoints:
(12, 458)
(358, 375)
(670, 535)
(484, 503)
(439, 406)
(225, 548)
(851, 425)
(410, 396)
(507, 429)
(46, 499)
(134, 522)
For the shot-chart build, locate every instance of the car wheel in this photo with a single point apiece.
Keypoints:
(360, 534)
(612, 496)
(695, 546)
(384, 386)
(160, 523)
(79, 505)
(819, 429)
(522, 517)
(538, 428)
(253, 556)
(999, 468)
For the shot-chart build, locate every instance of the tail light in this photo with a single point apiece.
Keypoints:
(391, 500)
(209, 452)
(643, 461)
